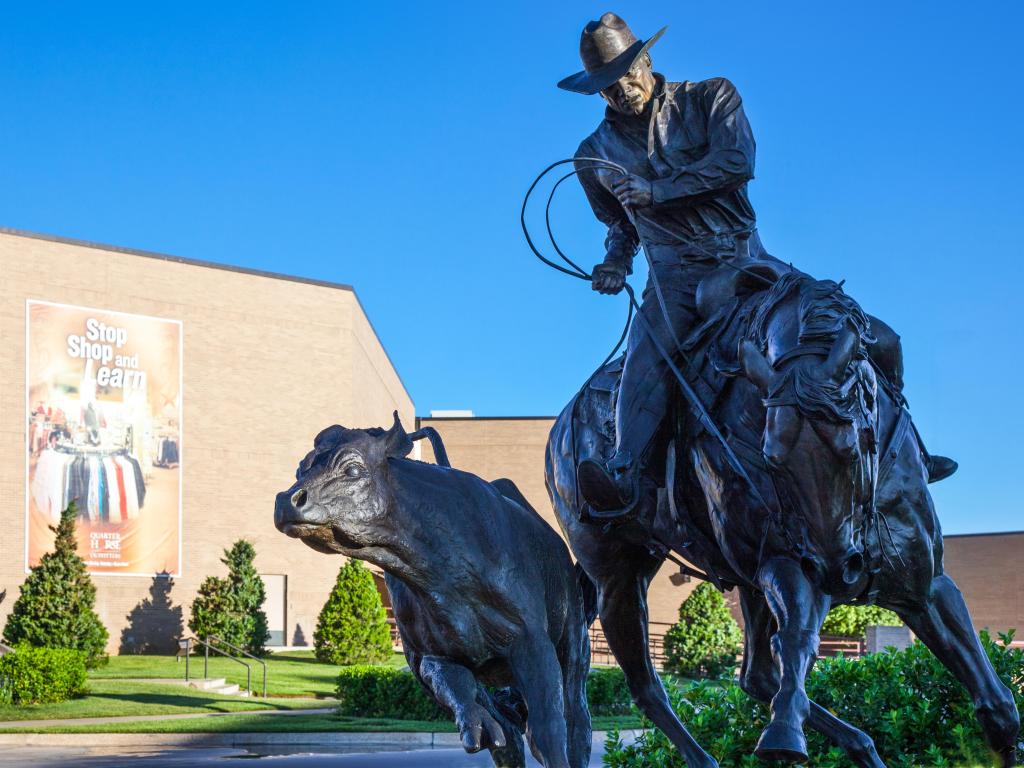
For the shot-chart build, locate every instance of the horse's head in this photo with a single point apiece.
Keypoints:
(819, 443)
(341, 496)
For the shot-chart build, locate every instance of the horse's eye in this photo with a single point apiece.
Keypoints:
(353, 470)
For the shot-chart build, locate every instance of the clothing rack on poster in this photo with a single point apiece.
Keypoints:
(106, 483)
(167, 453)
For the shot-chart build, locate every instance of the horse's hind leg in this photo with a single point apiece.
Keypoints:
(759, 678)
(944, 625)
(622, 601)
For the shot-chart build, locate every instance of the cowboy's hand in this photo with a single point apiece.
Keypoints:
(633, 191)
(608, 278)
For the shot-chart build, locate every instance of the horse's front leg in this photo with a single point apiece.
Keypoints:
(799, 609)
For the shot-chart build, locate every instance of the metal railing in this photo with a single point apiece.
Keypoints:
(185, 644)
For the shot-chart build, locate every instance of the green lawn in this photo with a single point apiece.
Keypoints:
(295, 673)
(290, 724)
(113, 698)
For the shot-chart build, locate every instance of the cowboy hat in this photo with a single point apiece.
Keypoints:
(608, 49)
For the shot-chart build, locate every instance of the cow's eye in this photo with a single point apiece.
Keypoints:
(353, 470)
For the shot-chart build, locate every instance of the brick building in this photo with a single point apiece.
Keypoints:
(253, 365)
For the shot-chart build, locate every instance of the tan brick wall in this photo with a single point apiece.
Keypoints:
(267, 363)
(987, 568)
(514, 448)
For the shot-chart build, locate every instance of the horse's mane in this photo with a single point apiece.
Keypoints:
(824, 310)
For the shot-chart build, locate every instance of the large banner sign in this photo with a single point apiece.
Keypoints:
(104, 432)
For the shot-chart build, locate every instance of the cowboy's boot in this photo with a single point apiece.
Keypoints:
(611, 489)
(939, 467)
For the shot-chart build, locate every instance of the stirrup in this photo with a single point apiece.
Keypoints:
(605, 501)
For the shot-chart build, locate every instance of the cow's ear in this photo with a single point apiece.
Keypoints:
(397, 444)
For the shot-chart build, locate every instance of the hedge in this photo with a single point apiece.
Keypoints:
(31, 675)
(918, 715)
(386, 692)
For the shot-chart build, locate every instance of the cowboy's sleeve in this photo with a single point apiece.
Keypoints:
(622, 240)
(730, 158)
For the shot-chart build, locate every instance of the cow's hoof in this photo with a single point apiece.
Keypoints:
(782, 742)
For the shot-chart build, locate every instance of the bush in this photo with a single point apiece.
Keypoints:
(607, 692)
(55, 607)
(231, 608)
(705, 640)
(854, 620)
(909, 703)
(353, 625)
(31, 675)
(371, 691)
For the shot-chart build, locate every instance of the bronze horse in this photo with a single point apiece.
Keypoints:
(836, 510)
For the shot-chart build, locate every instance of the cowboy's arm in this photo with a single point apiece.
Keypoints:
(730, 158)
(622, 240)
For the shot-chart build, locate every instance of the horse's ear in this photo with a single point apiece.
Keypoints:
(839, 358)
(755, 366)
(397, 444)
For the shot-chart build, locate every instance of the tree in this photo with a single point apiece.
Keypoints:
(705, 640)
(231, 607)
(854, 620)
(56, 606)
(353, 627)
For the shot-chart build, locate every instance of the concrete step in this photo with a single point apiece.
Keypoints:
(206, 683)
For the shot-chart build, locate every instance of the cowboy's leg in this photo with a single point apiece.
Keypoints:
(646, 386)
(646, 379)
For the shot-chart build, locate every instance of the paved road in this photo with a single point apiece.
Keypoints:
(181, 757)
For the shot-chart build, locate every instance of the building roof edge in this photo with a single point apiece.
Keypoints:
(214, 265)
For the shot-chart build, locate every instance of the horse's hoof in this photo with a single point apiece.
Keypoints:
(782, 742)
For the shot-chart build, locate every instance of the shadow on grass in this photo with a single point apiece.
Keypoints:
(178, 700)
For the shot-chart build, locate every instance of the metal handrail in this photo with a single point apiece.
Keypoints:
(188, 641)
(248, 655)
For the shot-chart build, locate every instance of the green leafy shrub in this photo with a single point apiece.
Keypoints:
(705, 640)
(374, 691)
(353, 625)
(853, 620)
(231, 607)
(607, 692)
(919, 716)
(31, 675)
(57, 601)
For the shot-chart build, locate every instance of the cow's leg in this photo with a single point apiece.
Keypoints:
(944, 625)
(622, 602)
(574, 656)
(538, 677)
(760, 679)
(798, 609)
(455, 689)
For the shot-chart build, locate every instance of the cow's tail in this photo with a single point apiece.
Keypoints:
(588, 589)
(440, 454)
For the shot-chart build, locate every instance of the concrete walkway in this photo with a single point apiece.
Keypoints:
(4, 724)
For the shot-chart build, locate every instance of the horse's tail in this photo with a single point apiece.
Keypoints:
(588, 589)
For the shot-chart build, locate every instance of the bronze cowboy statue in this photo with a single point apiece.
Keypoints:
(689, 152)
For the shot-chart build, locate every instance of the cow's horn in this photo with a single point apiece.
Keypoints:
(396, 441)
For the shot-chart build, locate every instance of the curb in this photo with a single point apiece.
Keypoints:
(392, 741)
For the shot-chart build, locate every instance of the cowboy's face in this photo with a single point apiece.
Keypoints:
(631, 92)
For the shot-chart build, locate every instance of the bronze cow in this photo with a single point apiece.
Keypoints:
(484, 591)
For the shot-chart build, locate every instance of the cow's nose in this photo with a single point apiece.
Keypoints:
(299, 499)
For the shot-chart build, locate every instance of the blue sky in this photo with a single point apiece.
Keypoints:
(389, 147)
